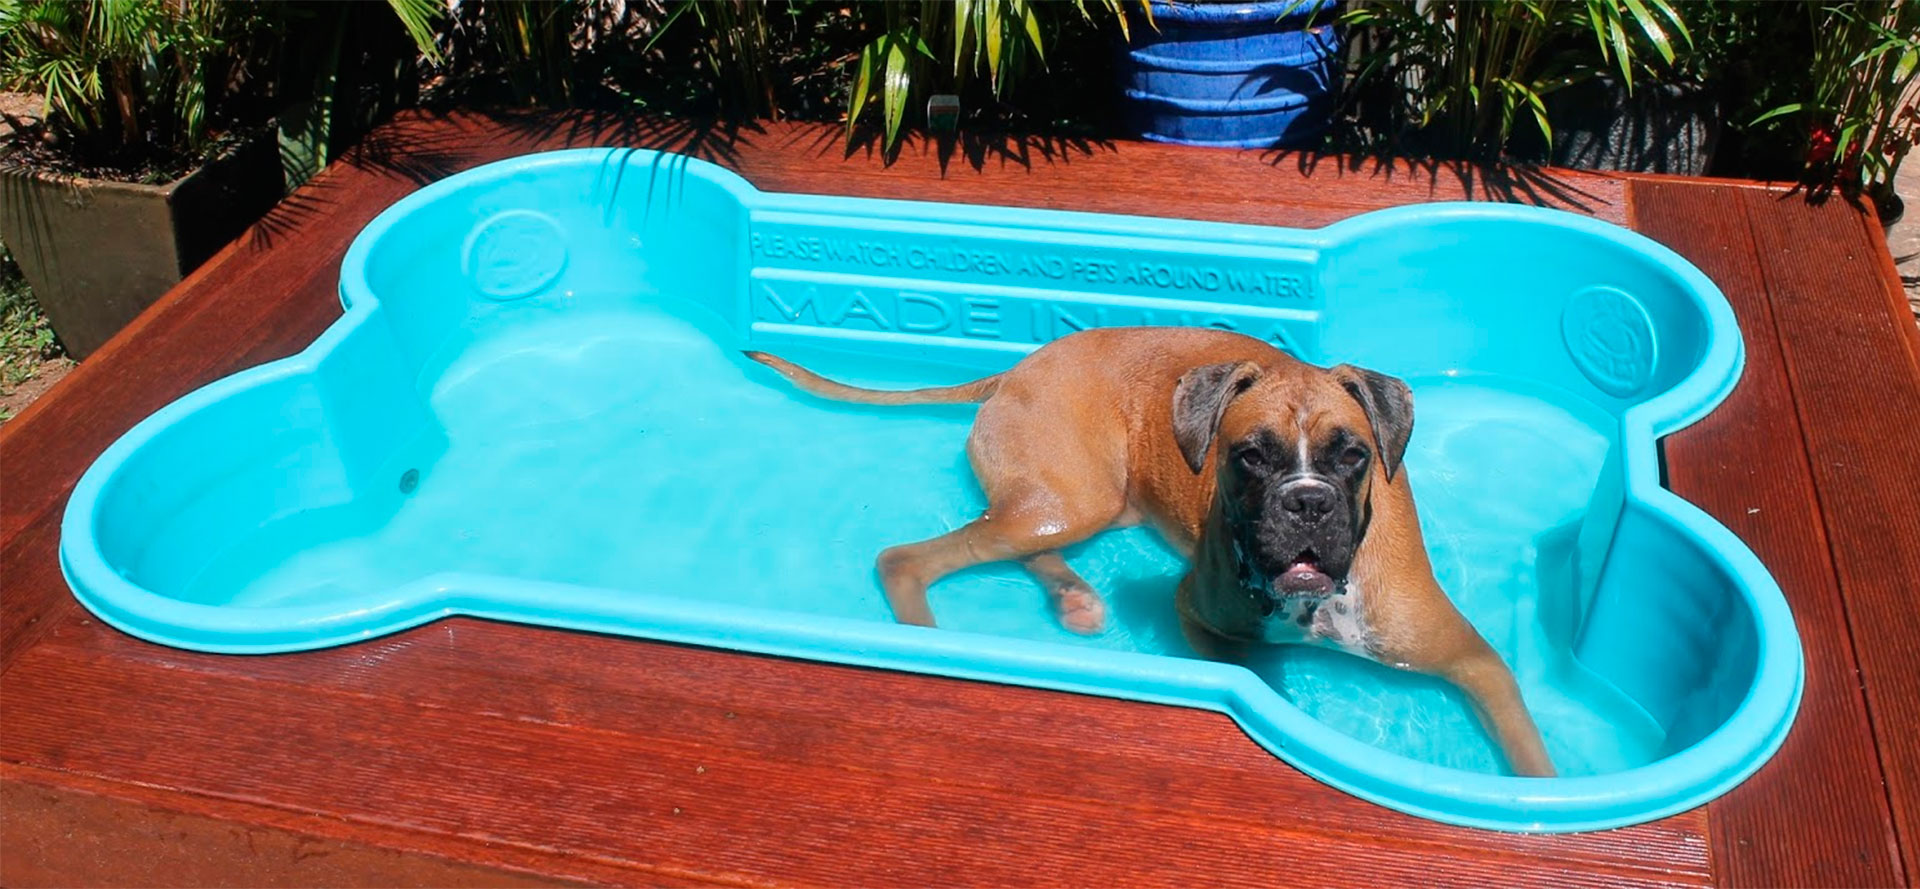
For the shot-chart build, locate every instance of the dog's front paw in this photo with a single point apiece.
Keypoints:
(1082, 610)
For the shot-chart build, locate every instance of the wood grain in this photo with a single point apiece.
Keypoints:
(715, 767)
(61, 830)
(584, 758)
(1745, 464)
(1851, 361)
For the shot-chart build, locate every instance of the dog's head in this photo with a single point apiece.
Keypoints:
(1297, 449)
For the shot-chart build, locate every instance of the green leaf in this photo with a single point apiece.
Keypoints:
(862, 82)
(1119, 10)
(1623, 57)
(1033, 31)
(657, 32)
(1539, 111)
(962, 21)
(991, 31)
(1777, 112)
(421, 18)
(1908, 60)
(1651, 27)
(894, 92)
(1871, 54)
(1673, 15)
(1599, 20)
(1847, 134)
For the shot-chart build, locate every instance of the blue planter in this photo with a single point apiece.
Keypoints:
(1232, 75)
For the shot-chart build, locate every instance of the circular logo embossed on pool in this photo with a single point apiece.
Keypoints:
(515, 253)
(1610, 338)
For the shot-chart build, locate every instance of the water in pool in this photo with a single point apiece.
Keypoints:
(629, 449)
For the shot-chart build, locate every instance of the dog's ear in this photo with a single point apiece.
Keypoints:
(1389, 406)
(1200, 398)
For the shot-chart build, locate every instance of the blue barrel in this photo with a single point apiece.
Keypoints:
(1233, 75)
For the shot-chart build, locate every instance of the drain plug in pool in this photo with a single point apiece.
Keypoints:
(409, 480)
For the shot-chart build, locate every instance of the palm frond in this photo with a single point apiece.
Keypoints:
(422, 19)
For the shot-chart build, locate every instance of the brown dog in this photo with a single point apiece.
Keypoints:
(1277, 478)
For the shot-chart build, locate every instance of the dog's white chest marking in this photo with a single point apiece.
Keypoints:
(1336, 620)
(1343, 623)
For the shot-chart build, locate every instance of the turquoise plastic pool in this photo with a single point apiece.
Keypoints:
(534, 409)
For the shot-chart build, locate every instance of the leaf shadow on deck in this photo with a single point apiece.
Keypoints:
(419, 148)
(720, 140)
(1455, 179)
(712, 140)
(295, 211)
(973, 147)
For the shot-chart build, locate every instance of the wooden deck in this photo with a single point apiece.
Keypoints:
(472, 753)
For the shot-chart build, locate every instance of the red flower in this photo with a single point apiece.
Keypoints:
(1820, 146)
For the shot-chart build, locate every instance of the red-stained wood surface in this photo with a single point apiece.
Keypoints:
(1746, 464)
(469, 752)
(1849, 351)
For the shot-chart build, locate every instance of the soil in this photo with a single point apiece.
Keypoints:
(33, 149)
(17, 106)
(49, 372)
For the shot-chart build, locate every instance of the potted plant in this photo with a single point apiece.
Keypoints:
(1653, 110)
(975, 50)
(1477, 78)
(135, 174)
(1861, 111)
(1657, 113)
(1259, 74)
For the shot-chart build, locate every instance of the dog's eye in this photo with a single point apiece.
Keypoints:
(1250, 457)
(1352, 457)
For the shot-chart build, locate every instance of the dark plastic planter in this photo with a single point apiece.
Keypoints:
(1659, 128)
(1888, 205)
(1232, 75)
(97, 252)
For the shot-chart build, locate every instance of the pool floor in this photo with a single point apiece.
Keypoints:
(626, 448)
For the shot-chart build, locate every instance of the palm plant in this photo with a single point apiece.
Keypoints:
(143, 84)
(123, 83)
(531, 47)
(914, 48)
(1461, 73)
(1861, 114)
(1000, 40)
(736, 45)
(340, 67)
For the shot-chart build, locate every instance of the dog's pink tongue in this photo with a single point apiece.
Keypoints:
(1304, 577)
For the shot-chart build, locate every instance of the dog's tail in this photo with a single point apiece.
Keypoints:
(808, 381)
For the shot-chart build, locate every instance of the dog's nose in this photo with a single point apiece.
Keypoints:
(1308, 498)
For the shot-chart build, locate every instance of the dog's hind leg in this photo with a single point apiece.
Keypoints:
(1023, 526)
(1079, 606)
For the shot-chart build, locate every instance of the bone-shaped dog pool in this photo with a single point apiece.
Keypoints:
(534, 409)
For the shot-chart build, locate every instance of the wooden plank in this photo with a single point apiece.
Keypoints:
(728, 769)
(1890, 283)
(61, 830)
(1850, 356)
(1779, 828)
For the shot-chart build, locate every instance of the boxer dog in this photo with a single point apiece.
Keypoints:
(1280, 481)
